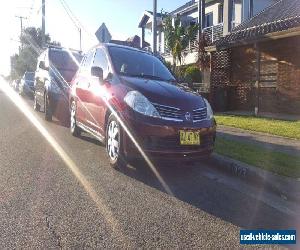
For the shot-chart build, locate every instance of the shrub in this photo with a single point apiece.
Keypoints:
(168, 65)
(192, 74)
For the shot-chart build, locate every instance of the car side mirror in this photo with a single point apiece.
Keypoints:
(97, 72)
(42, 65)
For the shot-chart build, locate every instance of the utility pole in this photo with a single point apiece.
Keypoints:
(21, 21)
(80, 45)
(227, 16)
(257, 78)
(43, 24)
(250, 8)
(154, 37)
(201, 16)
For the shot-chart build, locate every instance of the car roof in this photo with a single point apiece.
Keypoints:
(108, 45)
(56, 48)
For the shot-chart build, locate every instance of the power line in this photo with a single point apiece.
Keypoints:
(74, 16)
(69, 13)
(31, 8)
(76, 20)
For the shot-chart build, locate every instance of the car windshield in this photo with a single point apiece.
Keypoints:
(65, 63)
(129, 62)
(63, 60)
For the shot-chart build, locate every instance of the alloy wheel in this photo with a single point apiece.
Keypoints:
(73, 116)
(113, 140)
(36, 106)
(75, 130)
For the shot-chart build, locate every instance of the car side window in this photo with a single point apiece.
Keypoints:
(82, 65)
(83, 61)
(101, 61)
(89, 60)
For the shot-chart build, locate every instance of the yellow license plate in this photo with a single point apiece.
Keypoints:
(189, 137)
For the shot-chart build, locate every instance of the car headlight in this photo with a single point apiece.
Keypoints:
(140, 104)
(210, 114)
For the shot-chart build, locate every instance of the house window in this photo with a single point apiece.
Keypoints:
(209, 19)
(268, 73)
(220, 13)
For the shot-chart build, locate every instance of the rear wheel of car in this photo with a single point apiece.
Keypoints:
(47, 106)
(114, 144)
(36, 106)
(75, 130)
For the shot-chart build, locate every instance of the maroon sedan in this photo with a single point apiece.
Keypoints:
(128, 99)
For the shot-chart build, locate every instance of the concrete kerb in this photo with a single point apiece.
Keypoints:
(287, 188)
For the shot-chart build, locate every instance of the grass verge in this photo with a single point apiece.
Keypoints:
(290, 129)
(276, 162)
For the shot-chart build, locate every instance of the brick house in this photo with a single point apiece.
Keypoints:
(256, 67)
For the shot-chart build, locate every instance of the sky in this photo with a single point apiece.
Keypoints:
(120, 16)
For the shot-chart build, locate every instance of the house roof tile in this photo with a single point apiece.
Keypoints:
(282, 15)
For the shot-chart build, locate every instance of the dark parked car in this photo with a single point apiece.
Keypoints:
(26, 86)
(55, 69)
(165, 118)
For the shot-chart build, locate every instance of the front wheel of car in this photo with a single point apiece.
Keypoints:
(75, 130)
(36, 106)
(114, 144)
(47, 107)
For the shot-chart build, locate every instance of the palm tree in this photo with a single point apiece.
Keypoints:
(203, 58)
(177, 37)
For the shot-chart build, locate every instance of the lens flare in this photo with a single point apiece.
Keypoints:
(124, 127)
(100, 203)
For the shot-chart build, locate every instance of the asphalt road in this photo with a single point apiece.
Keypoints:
(66, 195)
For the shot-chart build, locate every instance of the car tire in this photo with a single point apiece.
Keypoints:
(114, 143)
(47, 108)
(36, 106)
(75, 130)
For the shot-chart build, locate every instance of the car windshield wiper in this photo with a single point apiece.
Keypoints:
(172, 80)
(144, 76)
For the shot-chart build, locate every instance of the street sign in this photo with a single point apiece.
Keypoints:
(103, 34)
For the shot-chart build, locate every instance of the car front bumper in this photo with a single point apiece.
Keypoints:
(161, 139)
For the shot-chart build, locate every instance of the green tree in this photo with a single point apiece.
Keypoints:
(26, 59)
(177, 37)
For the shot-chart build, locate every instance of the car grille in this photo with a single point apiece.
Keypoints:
(169, 113)
(199, 114)
(176, 114)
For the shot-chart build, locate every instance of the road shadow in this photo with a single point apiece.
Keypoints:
(90, 139)
(61, 123)
(188, 183)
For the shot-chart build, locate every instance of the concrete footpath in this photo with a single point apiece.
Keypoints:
(286, 187)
